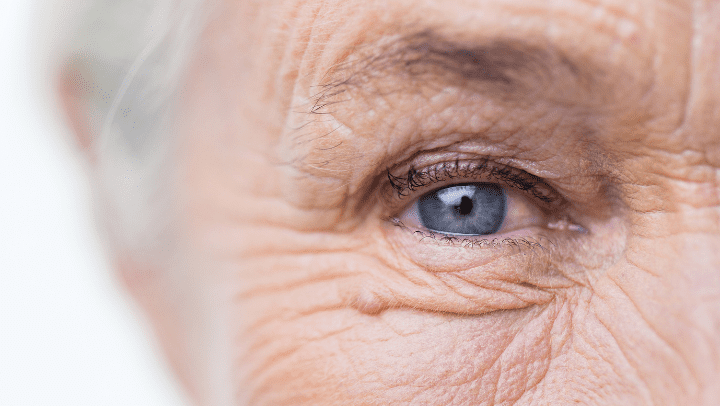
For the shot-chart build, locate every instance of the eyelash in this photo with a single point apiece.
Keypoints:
(492, 171)
(518, 243)
(419, 179)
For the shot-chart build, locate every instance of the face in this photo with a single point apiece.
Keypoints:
(447, 203)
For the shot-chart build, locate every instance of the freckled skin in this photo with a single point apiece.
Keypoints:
(291, 287)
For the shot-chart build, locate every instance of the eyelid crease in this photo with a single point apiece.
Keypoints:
(484, 168)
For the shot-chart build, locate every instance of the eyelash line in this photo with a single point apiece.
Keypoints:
(513, 177)
(519, 243)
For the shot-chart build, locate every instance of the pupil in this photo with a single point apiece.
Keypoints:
(465, 206)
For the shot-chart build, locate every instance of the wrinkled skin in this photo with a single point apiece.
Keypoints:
(290, 285)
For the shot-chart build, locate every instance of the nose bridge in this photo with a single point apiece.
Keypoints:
(698, 245)
(700, 128)
(678, 241)
(692, 274)
(673, 219)
(695, 185)
(667, 283)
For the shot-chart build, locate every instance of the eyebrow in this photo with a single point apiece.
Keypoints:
(508, 69)
(511, 66)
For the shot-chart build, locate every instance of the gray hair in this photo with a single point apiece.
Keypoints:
(133, 54)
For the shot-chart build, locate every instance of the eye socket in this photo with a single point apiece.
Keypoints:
(475, 197)
(472, 209)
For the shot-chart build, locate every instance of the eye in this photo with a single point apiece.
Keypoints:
(472, 209)
(468, 209)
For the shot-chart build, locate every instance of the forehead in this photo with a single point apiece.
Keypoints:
(636, 51)
(300, 41)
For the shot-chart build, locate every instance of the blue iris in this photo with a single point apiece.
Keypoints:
(470, 209)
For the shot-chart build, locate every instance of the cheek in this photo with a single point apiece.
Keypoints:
(319, 317)
(299, 338)
(301, 344)
(304, 325)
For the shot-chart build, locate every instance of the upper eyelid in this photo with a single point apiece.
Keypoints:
(471, 168)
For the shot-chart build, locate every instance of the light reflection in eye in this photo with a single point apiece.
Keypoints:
(467, 209)
(494, 199)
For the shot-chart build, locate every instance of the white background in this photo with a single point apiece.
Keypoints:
(68, 334)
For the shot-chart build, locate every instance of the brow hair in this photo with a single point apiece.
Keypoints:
(505, 69)
(510, 66)
(497, 62)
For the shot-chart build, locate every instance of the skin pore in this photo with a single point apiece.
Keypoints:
(295, 284)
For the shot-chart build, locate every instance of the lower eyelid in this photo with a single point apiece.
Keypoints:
(481, 278)
(504, 244)
(526, 254)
